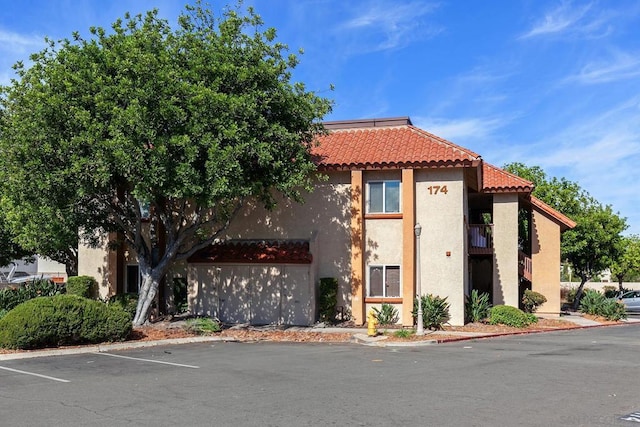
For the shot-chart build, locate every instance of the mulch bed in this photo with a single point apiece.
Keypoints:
(167, 330)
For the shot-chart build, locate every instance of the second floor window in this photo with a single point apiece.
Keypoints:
(384, 197)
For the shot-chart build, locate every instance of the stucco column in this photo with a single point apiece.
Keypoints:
(103, 264)
(408, 246)
(357, 248)
(545, 260)
(505, 244)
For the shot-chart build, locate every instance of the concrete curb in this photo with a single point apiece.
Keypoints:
(381, 341)
(539, 331)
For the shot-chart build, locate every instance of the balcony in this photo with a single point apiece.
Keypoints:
(480, 239)
(525, 268)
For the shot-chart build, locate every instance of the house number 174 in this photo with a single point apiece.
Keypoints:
(435, 189)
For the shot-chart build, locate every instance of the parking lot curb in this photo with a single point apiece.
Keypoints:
(357, 338)
(101, 348)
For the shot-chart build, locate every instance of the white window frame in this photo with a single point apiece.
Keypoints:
(384, 280)
(384, 183)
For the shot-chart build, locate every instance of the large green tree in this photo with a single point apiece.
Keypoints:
(162, 134)
(594, 244)
(9, 249)
(38, 222)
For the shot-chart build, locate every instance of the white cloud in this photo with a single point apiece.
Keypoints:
(571, 18)
(600, 153)
(621, 66)
(385, 26)
(19, 43)
(460, 130)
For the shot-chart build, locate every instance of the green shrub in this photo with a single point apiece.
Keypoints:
(12, 296)
(3, 313)
(84, 286)
(610, 291)
(386, 315)
(532, 300)
(203, 325)
(127, 302)
(404, 333)
(596, 304)
(477, 306)
(613, 310)
(591, 302)
(328, 299)
(571, 295)
(180, 302)
(510, 316)
(435, 311)
(62, 319)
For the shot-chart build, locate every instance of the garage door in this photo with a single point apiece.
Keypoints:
(259, 294)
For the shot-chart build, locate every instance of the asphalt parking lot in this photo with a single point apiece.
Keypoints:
(583, 377)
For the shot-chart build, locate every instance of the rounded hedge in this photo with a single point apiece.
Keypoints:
(62, 319)
(85, 286)
(510, 316)
(128, 302)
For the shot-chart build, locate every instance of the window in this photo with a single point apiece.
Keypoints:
(384, 197)
(384, 281)
(132, 284)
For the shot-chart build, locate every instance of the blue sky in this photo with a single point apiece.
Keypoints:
(546, 82)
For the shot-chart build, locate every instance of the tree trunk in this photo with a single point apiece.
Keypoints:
(146, 295)
(72, 267)
(579, 292)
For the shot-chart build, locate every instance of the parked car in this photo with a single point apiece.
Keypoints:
(631, 300)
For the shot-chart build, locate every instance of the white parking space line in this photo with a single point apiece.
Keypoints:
(34, 374)
(149, 360)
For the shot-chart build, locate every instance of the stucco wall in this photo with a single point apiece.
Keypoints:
(100, 263)
(442, 251)
(505, 241)
(383, 241)
(324, 217)
(545, 258)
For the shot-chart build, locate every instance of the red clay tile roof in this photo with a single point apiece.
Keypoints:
(496, 180)
(388, 148)
(255, 252)
(565, 221)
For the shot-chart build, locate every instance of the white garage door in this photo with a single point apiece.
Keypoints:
(260, 294)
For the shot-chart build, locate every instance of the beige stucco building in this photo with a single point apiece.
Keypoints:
(480, 229)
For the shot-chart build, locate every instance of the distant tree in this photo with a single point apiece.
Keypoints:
(627, 265)
(594, 244)
(561, 194)
(162, 135)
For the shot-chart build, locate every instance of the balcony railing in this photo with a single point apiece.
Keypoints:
(525, 268)
(481, 238)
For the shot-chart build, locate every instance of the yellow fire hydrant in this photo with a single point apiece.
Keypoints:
(372, 322)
